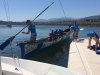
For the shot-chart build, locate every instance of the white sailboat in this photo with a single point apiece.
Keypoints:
(12, 66)
(9, 25)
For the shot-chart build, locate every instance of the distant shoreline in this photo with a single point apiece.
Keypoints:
(64, 23)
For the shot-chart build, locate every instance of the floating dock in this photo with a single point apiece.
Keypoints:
(82, 59)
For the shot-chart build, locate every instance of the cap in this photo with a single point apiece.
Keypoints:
(28, 21)
(90, 34)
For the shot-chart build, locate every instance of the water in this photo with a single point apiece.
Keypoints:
(42, 31)
(6, 32)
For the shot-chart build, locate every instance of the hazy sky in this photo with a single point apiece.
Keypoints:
(21, 10)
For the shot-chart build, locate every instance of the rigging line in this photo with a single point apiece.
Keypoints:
(15, 59)
(18, 60)
(63, 9)
(87, 63)
(8, 10)
(4, 3)
(81, 59)
(13, 55)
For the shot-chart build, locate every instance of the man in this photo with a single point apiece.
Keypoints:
(32, 29)
(77, 29)
(74, 30)
(51, 36)
(92, 35)
(60, 33)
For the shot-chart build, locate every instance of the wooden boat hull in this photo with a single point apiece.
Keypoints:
(39, 50)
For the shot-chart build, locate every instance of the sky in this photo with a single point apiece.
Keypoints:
(21, 10)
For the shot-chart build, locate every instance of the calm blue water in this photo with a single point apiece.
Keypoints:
(42, 31)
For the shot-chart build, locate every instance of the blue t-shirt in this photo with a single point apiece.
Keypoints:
(60, 31)
(96, 35)
(51, 33)
(73, 28)
(32, 28)
(56, 31)
(76, 25)
(92, 34)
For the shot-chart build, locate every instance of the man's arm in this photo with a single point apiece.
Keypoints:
(69, 31)
(26, 32)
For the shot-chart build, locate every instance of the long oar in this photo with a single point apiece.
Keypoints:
(4, 44)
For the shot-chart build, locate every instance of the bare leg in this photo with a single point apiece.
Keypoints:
(89, 43)
(74, 36)
(97, 43)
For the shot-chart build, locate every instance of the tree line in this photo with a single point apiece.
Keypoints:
(86, 22)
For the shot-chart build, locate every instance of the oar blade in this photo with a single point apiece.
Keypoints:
(82, 29)
(4, 44)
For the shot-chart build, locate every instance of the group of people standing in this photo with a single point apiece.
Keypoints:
(91, 35)
(54, 33)
(58, 33)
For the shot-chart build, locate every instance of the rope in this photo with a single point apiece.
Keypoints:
(76, 45)
(13, 55)
(16, 68)
(8, 18)
(82, 60)
(6, 11)
(63, 9)
(87, 63)
(4, 3)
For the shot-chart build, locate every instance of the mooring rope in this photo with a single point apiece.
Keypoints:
(87, 63)
(83, 62)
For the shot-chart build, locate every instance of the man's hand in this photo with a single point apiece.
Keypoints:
(89, 47)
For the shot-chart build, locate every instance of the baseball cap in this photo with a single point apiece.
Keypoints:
(28, 21)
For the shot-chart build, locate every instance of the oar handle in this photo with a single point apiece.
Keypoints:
(36, 17)
(43, 11)
(21, 30)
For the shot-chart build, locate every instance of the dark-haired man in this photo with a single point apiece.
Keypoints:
(32, 29)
